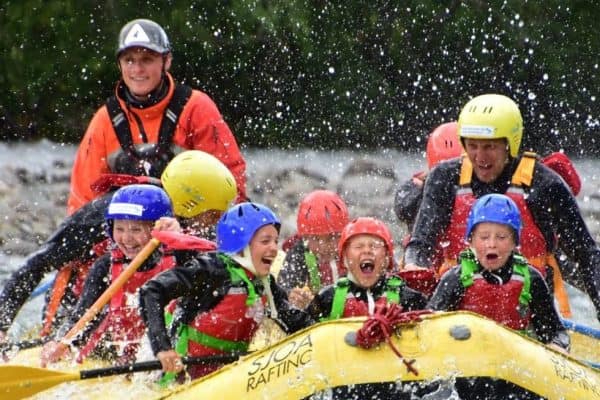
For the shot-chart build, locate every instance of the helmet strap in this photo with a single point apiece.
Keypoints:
(351, 277)
(474, 254)
(165, 57)
(244, 258)
(151, 99)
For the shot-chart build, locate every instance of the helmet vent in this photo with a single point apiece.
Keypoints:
(190, 204)
(327, 214)
(488, 109)
(336, 205)
(308, 212)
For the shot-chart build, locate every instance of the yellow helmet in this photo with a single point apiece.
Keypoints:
(492, 116)
(197, 182)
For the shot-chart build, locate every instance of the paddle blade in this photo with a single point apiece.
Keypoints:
(423, 280)
(180, 241)
(18, 382)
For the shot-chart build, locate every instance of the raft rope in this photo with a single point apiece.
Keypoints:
(382, 324)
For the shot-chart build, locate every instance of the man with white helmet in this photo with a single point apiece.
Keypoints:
(490, 128)
(131, 139)
(149, 119)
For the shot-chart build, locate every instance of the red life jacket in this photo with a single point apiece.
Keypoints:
(345, 305)
(72, 277)
(533, 243)
(507, 304)
(321, 274)
(358, 308)
(497, 302)
(228, 321)
(226, 327)
(123, 321)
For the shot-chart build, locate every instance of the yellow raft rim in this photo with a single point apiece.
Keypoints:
(443, 345)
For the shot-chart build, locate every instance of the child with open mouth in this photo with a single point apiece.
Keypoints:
(494, 280)
(225, 294)
(366, 249)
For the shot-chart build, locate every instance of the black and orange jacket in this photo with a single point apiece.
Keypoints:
(200, 126)
(553, 207)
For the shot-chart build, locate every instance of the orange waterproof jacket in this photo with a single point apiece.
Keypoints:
(199, 127)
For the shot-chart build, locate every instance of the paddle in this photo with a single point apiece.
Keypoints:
(137, 261)
(586, 332)
(180, 241)
(42, 288)
(580, 328)
(175, 240)
(17, 381)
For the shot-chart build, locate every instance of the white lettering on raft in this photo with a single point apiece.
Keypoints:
(279, 362)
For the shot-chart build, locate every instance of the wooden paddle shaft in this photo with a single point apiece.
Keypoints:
(155, 364)
(111, 290)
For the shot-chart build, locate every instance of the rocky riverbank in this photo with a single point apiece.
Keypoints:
(34, 184)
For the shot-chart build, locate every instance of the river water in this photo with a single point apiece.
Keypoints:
(278, 178)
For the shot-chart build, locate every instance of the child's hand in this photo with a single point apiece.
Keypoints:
(170, 361)
(53, 352)
(300, 297)
(419, 179)
(167, 224)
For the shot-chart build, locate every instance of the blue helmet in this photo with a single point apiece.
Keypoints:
(237, 226)
(138, 203)
(496, 208)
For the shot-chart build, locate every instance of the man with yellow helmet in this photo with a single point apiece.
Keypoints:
(200, 186)
(490, 128)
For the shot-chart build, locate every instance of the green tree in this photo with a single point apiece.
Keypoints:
(307, 72)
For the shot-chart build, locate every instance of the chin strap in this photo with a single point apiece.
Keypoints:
(245, 260)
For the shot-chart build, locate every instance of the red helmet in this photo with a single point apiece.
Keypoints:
(368, 226)
(443, 144)
(321, 212)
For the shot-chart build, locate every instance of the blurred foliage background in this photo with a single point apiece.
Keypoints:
(310, 73)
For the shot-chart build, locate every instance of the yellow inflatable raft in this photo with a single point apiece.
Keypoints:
(443, 346)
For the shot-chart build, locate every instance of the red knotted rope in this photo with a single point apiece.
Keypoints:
(382, 323)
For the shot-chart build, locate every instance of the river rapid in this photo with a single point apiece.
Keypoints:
(34, 184)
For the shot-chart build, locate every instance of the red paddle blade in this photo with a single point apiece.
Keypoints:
(423, 280)
(181, 241)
